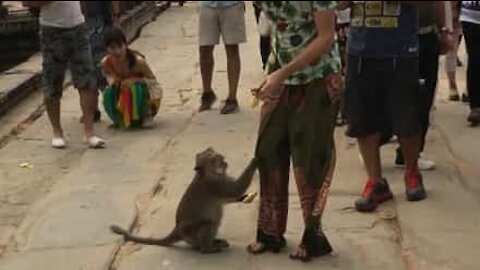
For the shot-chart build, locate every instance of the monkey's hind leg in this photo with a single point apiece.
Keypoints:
(222, 243)
(206, 239)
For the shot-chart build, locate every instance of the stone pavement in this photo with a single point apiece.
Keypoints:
(56, 215)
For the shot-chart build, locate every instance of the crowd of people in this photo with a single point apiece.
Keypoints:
(372, 65)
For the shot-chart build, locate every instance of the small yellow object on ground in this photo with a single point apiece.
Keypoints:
(26, 165)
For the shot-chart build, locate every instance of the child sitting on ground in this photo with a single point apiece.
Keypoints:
(133, 96)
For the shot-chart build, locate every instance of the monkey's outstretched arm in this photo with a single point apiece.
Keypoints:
(235, 189)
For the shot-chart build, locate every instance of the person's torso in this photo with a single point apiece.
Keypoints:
(218, 4)
(293, 29)
(343, 16)
(122, 72)
(383, 29)
(470, 12)
(98, 9)
(61, 14)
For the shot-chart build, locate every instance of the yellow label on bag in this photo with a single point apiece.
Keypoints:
(381, 22)
(376, 14)
(373, 8)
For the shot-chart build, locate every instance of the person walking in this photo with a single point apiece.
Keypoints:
(224, 19)
(64, 43)
(382, 90)
(470, 18)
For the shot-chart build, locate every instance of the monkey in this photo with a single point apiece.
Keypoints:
(200, 210)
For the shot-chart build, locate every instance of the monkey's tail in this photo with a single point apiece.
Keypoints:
(169, 240)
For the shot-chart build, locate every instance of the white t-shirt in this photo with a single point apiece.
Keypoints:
(343, 16)
(470, 12)
(61, 14)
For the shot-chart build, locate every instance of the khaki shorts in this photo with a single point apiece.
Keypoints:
(228, 22)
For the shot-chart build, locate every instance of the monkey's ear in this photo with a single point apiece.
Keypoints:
(199, 169)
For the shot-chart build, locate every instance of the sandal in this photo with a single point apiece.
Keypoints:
(257, 248)
(267, 243)
(230, 106)
(314, 244)
(207, 100)
(301, 255)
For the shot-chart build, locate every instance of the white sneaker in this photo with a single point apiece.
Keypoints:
(423, 165)
(394, 139)
(59, 143)
(426, 165)
(95, 142)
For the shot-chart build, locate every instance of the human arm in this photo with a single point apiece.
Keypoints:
(444, 21)
(108, 72)
(342, 5)
(116, 13)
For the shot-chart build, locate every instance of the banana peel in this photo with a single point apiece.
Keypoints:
(249, 198)
(255, 100)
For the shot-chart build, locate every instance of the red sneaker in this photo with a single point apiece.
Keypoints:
(374, 193)
(414, 186)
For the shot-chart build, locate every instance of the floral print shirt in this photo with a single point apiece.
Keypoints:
(293, 29)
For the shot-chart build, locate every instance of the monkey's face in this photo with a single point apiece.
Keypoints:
(211, 163)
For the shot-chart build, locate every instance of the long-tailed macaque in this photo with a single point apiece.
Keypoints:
(200, 210)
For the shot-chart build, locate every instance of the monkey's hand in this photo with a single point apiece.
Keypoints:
(254, 163)
(235, 189)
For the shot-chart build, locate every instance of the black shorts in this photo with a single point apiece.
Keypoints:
(382, 94)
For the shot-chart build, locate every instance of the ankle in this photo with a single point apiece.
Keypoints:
(58, 133)
(453, 91)
(376, 179)
(89, 134)
(413, 172)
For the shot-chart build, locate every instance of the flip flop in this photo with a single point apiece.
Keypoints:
(257, 248)
(298, 257)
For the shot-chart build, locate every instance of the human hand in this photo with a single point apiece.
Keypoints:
(127, 83)
(272, 86)
(334, 83)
